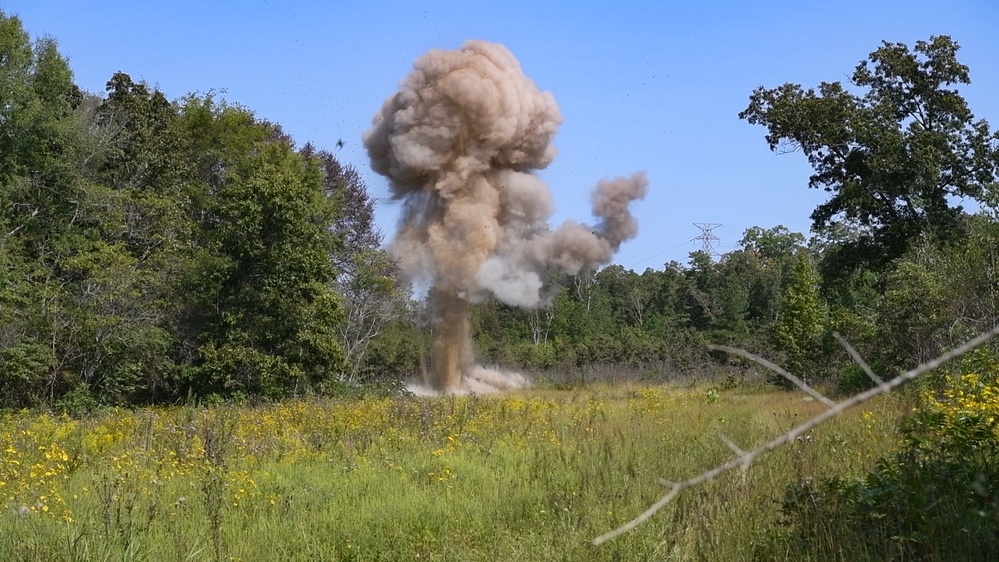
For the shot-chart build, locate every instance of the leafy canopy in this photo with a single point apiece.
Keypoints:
(894, 150)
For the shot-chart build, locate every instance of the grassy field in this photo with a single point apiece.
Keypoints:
(530, 476)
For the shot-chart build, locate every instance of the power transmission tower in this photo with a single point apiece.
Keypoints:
(707, 237)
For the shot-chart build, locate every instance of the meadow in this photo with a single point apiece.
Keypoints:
(527, 476)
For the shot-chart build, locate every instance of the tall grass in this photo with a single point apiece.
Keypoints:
(532, 476)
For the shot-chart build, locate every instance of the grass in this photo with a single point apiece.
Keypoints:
(530, 476)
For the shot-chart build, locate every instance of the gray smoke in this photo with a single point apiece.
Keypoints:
(458, 143)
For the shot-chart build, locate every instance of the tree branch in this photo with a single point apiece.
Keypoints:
(746, 459)
(777, 369)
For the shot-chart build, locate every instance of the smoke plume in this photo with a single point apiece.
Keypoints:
(459, 142)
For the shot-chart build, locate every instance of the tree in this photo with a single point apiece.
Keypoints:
(733, 306)
(892, 157)
(668, 310)
(627, 294)
(133, 154)
(151, 248)
(702, 278)
(43, 199)
(971, 274)
(364, 276)
(260, 304)
(372, 296)
(772, 245)
(540, 321)
(933, 298)
(769, 255)
(912, 317)
(802, 317)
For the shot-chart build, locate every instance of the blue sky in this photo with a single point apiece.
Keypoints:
(652, 86)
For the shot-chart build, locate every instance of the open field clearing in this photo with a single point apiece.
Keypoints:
(532, 476)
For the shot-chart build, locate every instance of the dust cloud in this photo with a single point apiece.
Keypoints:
(459, 142)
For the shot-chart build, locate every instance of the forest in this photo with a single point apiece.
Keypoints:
(160, 251)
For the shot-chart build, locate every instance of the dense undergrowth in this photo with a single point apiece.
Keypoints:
(937, 498)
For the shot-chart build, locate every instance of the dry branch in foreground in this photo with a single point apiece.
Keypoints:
(744, 459)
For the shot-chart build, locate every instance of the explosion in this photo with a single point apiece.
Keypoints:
(459, 142)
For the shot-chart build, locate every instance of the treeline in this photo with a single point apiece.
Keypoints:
(777, 295)
(162, 251)
(897, 266)
(153, 250)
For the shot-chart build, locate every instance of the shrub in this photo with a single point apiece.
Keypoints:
(936, 499)
(853, 380)
(22, 373)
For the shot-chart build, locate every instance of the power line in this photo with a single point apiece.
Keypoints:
(707, 237)
(646, 258)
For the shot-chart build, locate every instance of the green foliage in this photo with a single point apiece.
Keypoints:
(152, 244)
(775, 244)
(802, 318)
(733, 305)
(853, 380)
(936, 499)
(399, 352)
(275, 312)
(240, 371)
(78, 401)
(912, 318)
(890, 157)
(25, 366)
(155, 250)
(537, 357)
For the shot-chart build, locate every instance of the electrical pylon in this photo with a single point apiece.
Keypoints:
(707, 237)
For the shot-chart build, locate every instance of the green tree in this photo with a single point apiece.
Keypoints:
(151, 248)
(802, 318)
(133, 154)
(365, 277)
(970, 274)
(628, 294)
(667, 310)
(912, 317)
(772, 245)
(893, 157)
(41, 220)
(733, 306)
(257, 313)
(702, 278)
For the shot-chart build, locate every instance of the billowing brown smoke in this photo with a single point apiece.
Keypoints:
(458, 142)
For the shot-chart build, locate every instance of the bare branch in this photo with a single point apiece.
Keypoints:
(777, 369)
(836, 409)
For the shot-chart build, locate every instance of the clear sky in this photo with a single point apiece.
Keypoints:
(652, 86)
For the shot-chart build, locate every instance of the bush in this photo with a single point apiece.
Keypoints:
(536, 356)
(937, 499)
(234, 370)
(22, 373)
(853, 380)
